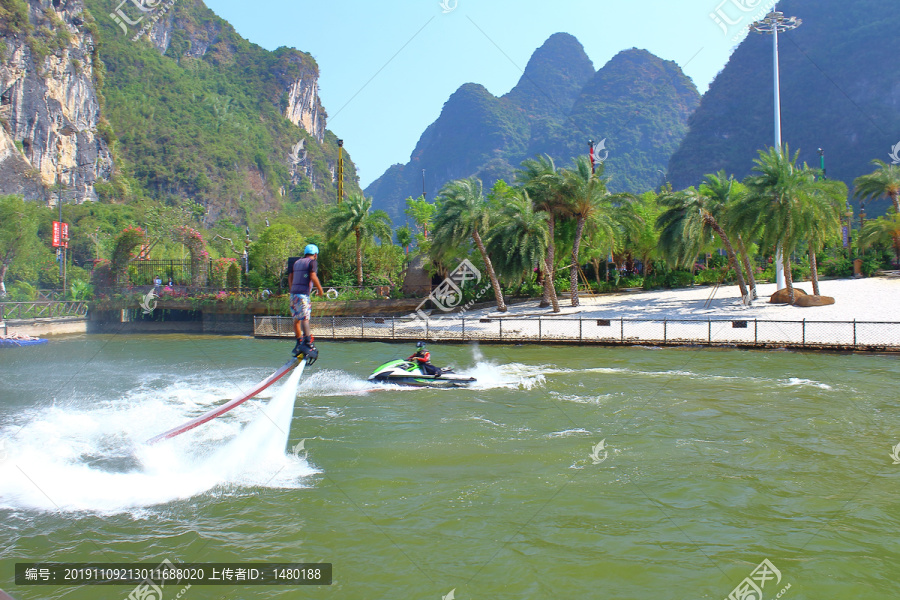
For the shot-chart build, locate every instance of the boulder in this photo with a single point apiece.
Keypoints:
(782, 297)
(814, 301)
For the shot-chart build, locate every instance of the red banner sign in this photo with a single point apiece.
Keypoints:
(60, 235)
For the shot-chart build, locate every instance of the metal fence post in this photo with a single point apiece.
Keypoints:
(540, 333)
(755, 332)
(665, 331)
(803, 328)
(709, 334)
(622, 329)
(463, 328)
(580, 328)
(362, 327)
(854, 333)
(393, 327)
(333, 328)
(501, 329)
(427, 321)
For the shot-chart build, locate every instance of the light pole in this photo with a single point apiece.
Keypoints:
(774, 23)
(340, 171)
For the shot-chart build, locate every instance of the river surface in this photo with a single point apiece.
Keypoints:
(567, 472)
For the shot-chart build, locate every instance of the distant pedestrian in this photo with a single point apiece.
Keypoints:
(157, 282)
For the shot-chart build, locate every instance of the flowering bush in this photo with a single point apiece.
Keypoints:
(196, 245)
(102, 276)
(219, 270)
(130, 239)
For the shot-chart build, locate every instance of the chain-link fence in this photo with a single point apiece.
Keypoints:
(853, 335)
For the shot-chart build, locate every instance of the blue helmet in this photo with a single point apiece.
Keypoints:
(311, 249)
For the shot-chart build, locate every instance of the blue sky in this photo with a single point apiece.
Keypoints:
(388, 66)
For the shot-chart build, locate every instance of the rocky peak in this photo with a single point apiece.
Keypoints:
(554, 76)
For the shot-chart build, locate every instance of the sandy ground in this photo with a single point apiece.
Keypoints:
(702, 314)
(868, 299)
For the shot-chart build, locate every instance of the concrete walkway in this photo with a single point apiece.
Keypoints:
(869, 299)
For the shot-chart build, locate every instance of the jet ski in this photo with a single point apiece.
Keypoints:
(404, 372)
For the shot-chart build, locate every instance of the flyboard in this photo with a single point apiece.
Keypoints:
(221, 410)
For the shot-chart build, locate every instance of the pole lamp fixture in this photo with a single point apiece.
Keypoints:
(775, 23)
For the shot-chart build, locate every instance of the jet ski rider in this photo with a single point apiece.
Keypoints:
(422, 357)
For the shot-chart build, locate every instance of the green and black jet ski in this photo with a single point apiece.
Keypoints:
(404, 372)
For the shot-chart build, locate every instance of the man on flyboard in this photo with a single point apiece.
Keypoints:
(301, 277)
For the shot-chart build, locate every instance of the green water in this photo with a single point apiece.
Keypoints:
(713, 461)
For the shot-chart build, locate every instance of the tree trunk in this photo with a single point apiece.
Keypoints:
(895, 198)
(359, 273)
(751, 278)
(549, 260)
(3, 268)
(573, 270)
(729, 249)
(498, 293)
(549, 297)
(788, 277)
(814, 271)
(596, 263)
(550, 288)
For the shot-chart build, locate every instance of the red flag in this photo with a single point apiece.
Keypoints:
(593, 161)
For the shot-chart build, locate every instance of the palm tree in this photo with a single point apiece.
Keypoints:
(592, 205)
(884, 181)
(820, 214)
(725, 193)
(774, 199)
(421, 212)
(687, 223)
(520, 239)
(464, 213)
(792, 205)
(884, 230)
(355, 216)
(543, 182)
(404, 237)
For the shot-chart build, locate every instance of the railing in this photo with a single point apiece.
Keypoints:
(41, 310)
(850, 335)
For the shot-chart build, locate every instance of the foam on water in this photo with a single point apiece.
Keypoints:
(492, 375)
(794, 381)
(76, 458)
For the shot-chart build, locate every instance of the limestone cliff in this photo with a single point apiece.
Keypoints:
(49, 109)
(194, 39)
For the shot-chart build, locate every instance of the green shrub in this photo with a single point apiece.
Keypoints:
(14, 16)
(21, 291)
(255, 280)
(233, 276)
(708, 276)
(801, 272)
(835, 266)
(662, 277)
(630, 281)
(872, 262)
(81, 290)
